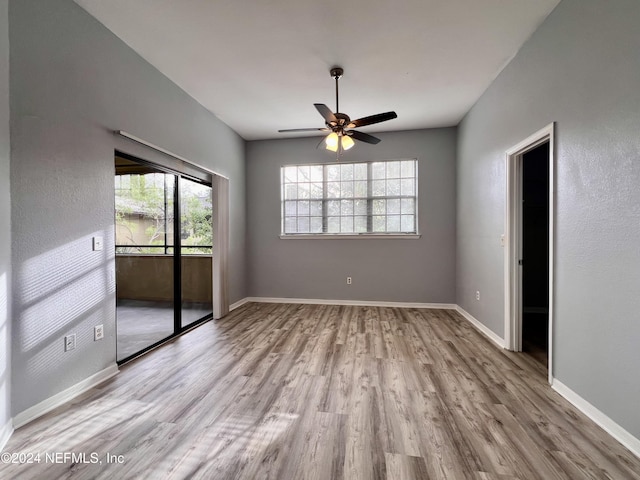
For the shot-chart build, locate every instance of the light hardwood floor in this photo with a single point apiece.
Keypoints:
(292, 392)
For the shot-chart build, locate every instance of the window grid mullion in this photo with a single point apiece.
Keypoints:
(325, 220)
(283, 210)
(369, 199)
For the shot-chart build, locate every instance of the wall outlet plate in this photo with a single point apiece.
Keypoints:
(70, 342)
(98, 332)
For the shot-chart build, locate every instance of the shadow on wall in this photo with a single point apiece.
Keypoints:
(65, 290)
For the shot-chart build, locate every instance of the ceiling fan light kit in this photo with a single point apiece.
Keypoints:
(347, 142)
(341, 136)
(332, 141)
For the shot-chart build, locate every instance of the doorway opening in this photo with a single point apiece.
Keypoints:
(164, 254)
(529, 248)
(534, 228)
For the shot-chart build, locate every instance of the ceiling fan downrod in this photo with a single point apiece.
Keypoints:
(336, 73)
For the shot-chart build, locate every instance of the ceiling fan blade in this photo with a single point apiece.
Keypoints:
(323, 129)
(326, 113)
(363, 137)
(370, 120)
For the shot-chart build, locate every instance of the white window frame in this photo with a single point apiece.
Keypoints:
(369, 199)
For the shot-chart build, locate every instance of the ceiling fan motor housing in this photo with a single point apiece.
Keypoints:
(343, 120)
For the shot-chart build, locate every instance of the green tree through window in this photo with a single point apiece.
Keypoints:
(144, 214)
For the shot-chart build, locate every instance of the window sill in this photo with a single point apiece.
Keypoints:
(362, 236)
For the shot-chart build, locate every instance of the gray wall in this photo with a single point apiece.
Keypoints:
(386, 270)
(72, 83)
(581, 70)
(5, 225)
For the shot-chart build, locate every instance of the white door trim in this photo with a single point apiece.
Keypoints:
(512, 281)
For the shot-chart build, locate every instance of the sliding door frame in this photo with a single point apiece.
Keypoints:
(178, 329)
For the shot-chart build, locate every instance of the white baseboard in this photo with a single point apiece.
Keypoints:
(605, 422)
(487, 332)
(239, 303)
(359, 303)
(58, 399)
(5, 434)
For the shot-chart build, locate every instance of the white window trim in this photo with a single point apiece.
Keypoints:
(351, 236)
(358, 236)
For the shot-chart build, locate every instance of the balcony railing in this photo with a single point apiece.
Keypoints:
(162, 249)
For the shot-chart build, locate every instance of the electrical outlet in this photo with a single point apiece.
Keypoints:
(98, 332)
(70, 342)
(477, 294)
(348, 280)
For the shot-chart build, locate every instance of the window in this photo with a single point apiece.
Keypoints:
(350, 198)
(145, 214)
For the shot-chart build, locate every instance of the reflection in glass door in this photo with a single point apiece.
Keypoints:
(196, 242)
(163, 254)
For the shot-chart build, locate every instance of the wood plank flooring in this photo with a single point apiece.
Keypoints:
(279, 391)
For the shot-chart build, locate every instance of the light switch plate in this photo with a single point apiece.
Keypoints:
(70, 342)
(97, 244)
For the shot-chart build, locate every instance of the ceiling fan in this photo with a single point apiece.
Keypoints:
(340, 125)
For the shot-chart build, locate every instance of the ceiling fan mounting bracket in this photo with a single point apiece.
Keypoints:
(336, 72)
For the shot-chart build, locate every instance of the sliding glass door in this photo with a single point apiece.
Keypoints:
(163, 254)
(196, 241)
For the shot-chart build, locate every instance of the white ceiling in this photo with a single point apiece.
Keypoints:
(260, 66)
